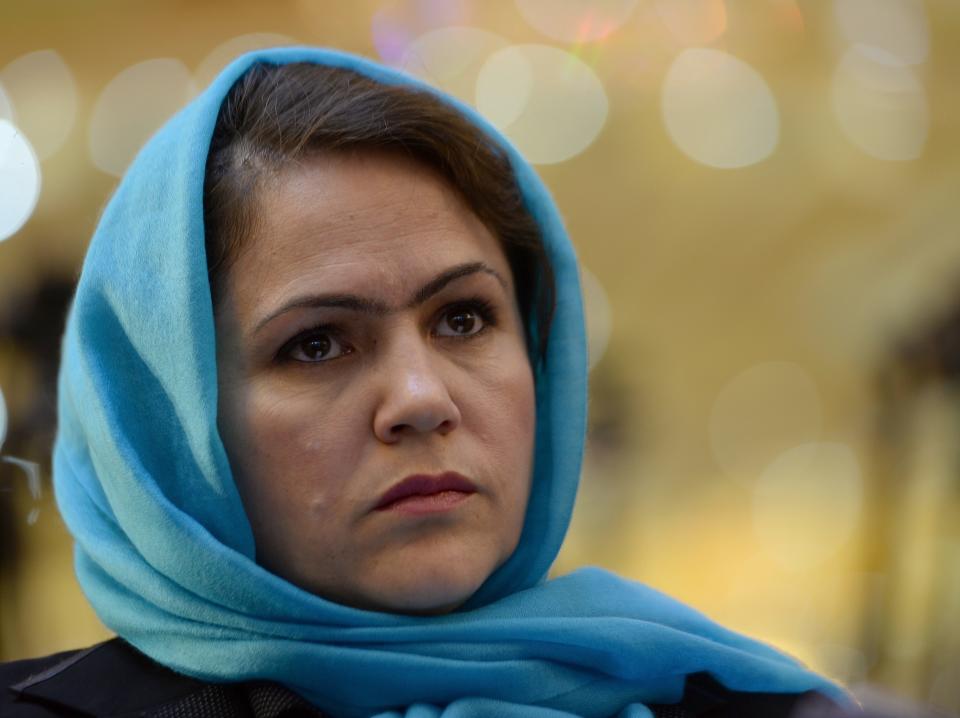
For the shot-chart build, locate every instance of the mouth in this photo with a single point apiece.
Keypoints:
(426, 494)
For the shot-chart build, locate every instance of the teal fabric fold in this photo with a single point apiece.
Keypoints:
(165, 553)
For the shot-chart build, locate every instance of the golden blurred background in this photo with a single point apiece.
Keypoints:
(764, 195)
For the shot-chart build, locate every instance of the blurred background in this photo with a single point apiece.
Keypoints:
(764, 195)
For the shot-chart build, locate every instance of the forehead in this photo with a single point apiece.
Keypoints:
(372, 223)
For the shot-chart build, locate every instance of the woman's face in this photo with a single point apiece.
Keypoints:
(376, 401)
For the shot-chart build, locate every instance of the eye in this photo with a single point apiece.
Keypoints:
(315, 346)
(466, 319)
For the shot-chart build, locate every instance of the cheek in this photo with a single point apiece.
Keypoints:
(286, 445)
(505, 409)
(517, 436)
(506, 396)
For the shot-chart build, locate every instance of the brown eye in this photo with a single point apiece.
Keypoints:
(460, 322)
(317, 348)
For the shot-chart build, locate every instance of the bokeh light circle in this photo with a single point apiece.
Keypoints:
(549, 103)
(19, 179)
(880, 105)
(576, 20)
(718, 110)
(897, 27)
(693, 22)
(451, 58)
(598, 316)
(44, 94)
(806, 504)
(226, 52)
(761, 413)
(132, 106)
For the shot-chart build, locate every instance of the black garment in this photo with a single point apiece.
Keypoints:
(114, 680)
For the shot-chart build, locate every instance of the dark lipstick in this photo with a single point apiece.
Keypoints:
(424, 493)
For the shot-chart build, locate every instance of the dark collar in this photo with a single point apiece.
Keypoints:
(110, 679)
(114, 680)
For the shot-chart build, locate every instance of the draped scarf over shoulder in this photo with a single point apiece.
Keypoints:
(165, 553)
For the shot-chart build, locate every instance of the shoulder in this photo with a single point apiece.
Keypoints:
(114, 680)
(108, 679)
(15, 673)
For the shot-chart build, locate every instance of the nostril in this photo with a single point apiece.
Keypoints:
(399, 419)
(444, 426)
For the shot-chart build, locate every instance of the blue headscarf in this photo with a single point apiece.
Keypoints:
(165, 553)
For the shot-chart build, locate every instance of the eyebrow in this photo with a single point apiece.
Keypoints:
(357, 303)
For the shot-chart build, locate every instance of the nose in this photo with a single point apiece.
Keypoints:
(415, 397)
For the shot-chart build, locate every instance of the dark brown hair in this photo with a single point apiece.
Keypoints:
(276, 114)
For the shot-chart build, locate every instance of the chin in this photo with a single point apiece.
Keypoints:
(433, 587)
(432, 595)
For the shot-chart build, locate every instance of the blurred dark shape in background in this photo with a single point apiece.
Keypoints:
(31, 328)
(911, 617)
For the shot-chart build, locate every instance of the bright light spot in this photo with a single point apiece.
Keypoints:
(42, 89)
(397, 23)
(806, 504)
(3, 419)
(718, 110)
(550, 104)
(224, 53)
(880, 105)
(759, 414)
(693, 22)
(576, 20)
(450, 58)
(6, 108)
(19, 180)
(504, 103)
(390, 38)
(599, 317)
(132, 106)
(897, 27)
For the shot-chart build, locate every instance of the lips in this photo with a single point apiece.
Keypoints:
(450, 484)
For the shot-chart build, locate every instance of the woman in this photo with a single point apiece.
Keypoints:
(323, 461)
